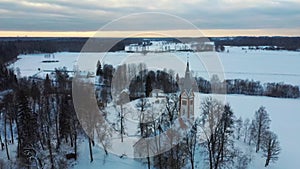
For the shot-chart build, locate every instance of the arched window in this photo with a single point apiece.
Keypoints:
(191, 102)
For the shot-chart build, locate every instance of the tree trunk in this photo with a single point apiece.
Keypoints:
(122, 127)
(91, 151)
(5, 138)
(48, 111)
(269, 153)
(148, 159)
(258, 139)
(50, 148)
(71, 140)
(210, 154)
(148, 156)
(192, 163)
(2, 147)
(41, 142)
(18, 146)
(75, 144)
(11, 131)
(56, 123)
(267, 162)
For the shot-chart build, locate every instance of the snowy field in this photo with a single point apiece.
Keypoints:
(264, 66)
(284, 114)
(285, 123)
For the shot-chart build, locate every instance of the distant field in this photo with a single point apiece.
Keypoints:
(261, 65)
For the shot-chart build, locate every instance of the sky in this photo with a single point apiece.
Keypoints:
(132, 17)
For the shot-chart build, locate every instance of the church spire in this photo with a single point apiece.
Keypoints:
(187, 66)
(187, 83)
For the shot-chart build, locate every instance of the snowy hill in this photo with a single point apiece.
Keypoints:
(284, 116)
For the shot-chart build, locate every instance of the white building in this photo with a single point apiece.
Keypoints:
(164, 46)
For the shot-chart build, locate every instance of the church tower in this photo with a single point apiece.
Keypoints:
(187, 95)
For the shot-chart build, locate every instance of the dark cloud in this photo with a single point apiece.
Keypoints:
(66, 15)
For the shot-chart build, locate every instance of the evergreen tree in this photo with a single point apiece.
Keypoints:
(148, 86)
(27, 133)
(47, 85)
(65, 119)
(99, 71)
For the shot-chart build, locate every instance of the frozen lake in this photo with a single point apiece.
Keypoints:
(261, 65)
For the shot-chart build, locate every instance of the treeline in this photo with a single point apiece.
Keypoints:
(134, 77)
(285, 43)
(10, 48)
(248, 87)
(143, 84)
(8, 78)
(8, 51)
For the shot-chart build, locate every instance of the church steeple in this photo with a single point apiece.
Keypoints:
(187, 66)
(187, 94)
(187, 82)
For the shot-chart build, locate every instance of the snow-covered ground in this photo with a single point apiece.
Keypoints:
(284, 114)
(265, 66)
(285, 123)
(261, 65)
(104, 162)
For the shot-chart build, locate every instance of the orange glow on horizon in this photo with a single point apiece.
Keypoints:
(163, 33)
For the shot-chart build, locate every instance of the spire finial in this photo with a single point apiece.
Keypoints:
(187, 64)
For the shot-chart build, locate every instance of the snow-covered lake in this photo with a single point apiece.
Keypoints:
(264, 66)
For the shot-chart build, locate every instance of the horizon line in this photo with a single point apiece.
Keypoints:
(156, 33)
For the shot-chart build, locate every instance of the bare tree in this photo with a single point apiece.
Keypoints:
(104, 135)
(191, 143)
(270, 147)
(86, 110)
(142, 104)
(239, 126)
(246, 127)
(261, 125)
(243, 160)
(216, 123)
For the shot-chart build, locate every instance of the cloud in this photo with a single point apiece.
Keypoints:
(90, 15)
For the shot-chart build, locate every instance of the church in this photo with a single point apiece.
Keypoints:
(186, 106)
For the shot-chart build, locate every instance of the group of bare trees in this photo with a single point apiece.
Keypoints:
(214, 136)
(216, 133)
(257, 133)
